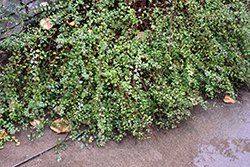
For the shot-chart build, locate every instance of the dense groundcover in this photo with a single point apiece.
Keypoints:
(123, 66)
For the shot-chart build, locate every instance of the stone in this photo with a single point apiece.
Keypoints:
(9, 6)
(10, 3)
(8, 33)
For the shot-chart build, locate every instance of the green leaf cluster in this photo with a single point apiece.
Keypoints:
(98, 70)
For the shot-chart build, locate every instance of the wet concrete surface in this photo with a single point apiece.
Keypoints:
(217, 137)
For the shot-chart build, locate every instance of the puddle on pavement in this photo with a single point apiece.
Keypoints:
(232, 149)
(224, 152)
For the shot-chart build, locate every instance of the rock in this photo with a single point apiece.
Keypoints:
(9, 4)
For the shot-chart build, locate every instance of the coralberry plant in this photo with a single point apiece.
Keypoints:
(123, 66)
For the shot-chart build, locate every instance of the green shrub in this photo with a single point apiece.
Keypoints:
(99, 71)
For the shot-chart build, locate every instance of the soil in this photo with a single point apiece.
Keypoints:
(217, 137)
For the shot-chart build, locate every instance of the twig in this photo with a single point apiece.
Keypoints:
(26, 160)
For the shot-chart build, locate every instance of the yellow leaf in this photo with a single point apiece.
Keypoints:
(89, 31)
(60, 126)
(228, 99)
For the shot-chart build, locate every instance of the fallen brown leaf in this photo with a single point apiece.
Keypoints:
(71, 23)
(36, 122)
(195, 103)
(129, 1)
(228, 99)
(3, 134)
(11, 104)
(139, 35)
(57, 111)
(20, 89)
(85, 122)
(44, 3)
(60, 126)
(46, 23)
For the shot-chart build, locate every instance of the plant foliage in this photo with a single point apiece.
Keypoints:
(91, 66)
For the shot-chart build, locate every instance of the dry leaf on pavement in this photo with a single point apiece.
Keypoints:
(228, 99)
(60, 126)
(3, 134)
